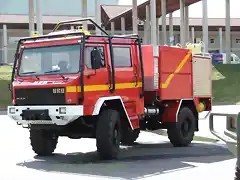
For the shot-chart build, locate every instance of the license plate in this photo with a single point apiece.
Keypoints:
(31, 114)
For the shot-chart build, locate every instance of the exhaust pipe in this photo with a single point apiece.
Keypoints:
(151, 111)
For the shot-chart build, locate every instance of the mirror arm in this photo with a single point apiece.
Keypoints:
(90, 75)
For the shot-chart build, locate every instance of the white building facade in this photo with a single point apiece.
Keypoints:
(14, 23)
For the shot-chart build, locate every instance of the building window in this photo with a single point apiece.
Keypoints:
(122, 57)
(237, 41)
(212, 41)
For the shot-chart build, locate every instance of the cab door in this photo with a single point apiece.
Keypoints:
(96, 81)
(127, 78)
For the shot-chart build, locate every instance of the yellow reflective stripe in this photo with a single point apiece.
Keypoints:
(92, 88)
(180, 66)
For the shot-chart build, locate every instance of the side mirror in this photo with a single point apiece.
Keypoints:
(96, 59)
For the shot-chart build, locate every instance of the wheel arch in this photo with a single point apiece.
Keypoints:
(114, 102)
(191, 105)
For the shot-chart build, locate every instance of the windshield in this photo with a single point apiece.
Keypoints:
(50, 60)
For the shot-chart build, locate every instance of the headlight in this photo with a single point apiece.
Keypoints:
(62, 110)
(12, 110)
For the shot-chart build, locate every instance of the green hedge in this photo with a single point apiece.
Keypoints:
(226, 89)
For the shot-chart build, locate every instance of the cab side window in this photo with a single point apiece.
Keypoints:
(122, 57)
(88, 54)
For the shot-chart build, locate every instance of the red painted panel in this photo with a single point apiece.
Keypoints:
(170, 59)
(175, 73)
(169, 114)
(148, 64)
(179, 88)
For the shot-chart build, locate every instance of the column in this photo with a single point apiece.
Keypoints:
(153, 21)
(84, 14)
(135, 17)
(186, 19)
(31, 17)
(171, 35)
(112, 28)
(157, 32)
(220, 40)
(147, 28)
(182, 32)
(193, 34)
(228, 32)
(154, 40)
(5, 43)
(98, 16)
(39, 17)
(123, 28)
(205, 24)
(145, 38)
(164, 24)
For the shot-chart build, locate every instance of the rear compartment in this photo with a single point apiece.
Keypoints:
(202, 76)
(172, 72)
(175, 69)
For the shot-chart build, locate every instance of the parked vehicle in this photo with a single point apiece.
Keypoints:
(220, 58)
(106, 87)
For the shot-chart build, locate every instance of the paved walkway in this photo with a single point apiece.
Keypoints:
(152, 158)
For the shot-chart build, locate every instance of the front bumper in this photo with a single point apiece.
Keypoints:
(58, 115)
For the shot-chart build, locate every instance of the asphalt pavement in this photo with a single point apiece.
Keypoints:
(152, 157)
(3, 112)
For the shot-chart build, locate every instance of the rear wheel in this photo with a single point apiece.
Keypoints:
(108, 134)
(43, 142)
(182, 134)
(129, 136)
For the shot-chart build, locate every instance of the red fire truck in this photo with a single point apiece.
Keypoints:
(69, 83)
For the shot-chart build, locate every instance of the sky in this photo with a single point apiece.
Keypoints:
(216, 8)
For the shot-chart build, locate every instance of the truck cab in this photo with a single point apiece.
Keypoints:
(61, 83)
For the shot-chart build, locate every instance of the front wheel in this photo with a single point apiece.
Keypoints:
(182, 134)
(43, 142)
(108, 134)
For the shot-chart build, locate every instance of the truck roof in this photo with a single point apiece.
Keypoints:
(55, 39)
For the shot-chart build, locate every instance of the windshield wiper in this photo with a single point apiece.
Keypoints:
(52, 71)
(31, 72)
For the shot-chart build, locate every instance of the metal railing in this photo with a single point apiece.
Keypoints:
(231, 136)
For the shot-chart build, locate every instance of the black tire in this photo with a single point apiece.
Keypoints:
(108, 134)
(182, 134)
(129, 136)
(43, 142)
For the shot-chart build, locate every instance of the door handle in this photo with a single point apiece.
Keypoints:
(135, 80)
(109, 77)
(135, 72)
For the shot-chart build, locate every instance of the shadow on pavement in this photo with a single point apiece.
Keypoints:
(138, 161)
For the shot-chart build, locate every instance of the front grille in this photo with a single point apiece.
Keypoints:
(39, 96)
